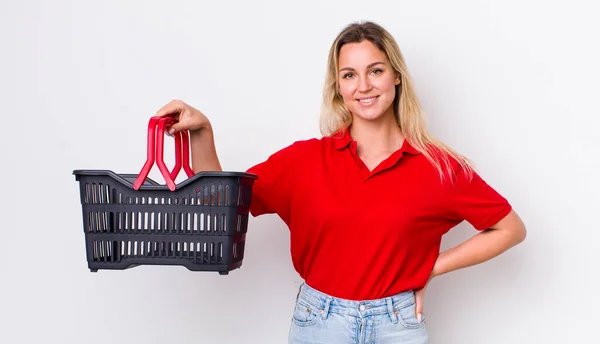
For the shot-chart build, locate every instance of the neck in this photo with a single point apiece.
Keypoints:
(382, 136)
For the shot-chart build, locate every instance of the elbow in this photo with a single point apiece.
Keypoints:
(520, 230)
(520, 234)
(513, 228)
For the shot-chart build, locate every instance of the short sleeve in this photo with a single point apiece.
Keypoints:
(477, 202)
(272, 190)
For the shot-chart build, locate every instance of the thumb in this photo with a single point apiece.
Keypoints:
(173, 128)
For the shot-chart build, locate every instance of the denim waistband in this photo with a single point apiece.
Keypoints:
(326, 304)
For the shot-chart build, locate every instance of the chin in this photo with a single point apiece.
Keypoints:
(368, 115)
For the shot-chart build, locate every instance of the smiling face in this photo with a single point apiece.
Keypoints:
(367, 81)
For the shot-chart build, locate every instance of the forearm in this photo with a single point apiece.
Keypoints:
(480, 248)
(203, 150)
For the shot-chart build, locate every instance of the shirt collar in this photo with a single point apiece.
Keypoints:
(342, 140)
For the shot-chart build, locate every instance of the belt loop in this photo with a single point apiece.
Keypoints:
(326, 307)
(390, 307)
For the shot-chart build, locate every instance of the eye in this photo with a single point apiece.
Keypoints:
(348, 75)
(377, 71)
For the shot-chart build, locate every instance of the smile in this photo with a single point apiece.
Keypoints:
(367, 100)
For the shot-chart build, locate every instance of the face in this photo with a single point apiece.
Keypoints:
(366, 81)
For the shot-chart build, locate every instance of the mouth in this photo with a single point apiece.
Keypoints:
(367, 100)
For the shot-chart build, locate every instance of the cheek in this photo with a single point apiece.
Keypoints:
(347, 94)
(388, 86)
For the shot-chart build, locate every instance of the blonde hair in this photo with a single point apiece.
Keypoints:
(335, 117)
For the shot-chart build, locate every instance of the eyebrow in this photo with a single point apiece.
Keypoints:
(369, 66)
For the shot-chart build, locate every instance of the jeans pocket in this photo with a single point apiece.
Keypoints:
(304, 315)
(408, 318)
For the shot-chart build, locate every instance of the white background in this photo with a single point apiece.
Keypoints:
(512, 84)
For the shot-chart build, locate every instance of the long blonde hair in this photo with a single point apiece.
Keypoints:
(335, 116)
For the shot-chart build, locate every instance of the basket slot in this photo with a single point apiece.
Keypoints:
(227, 198)
(168, 222)
(174, 223)
(129, 222)
(96, 196)
(184, 221)
(133, 225)
(97, 193)
(146, 218)
(195, 222)
(219, 194)
(238, 250)
(163, 221)
(105, 193)
(105, 251)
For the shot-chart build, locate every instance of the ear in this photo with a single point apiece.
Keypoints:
(397, 80)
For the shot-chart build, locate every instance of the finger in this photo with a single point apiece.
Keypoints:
(419, 304)
(174, 107)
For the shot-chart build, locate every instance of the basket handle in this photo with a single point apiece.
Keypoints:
(155, 152)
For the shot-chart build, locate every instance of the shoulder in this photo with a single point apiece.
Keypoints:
(297, 149)
(301, 146)
(311, 145)
(448, 163)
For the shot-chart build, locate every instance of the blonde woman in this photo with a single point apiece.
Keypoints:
(367, 204)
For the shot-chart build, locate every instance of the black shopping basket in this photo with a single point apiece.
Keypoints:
(131, 220)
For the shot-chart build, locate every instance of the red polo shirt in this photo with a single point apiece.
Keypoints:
(360, 234)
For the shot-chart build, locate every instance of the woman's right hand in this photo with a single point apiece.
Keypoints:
(202, 143)
(188, 118)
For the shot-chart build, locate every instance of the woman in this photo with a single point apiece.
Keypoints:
(368, 203)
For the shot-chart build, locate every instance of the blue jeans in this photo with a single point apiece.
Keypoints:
(320, 318)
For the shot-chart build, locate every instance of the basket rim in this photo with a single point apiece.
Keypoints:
(153, 185)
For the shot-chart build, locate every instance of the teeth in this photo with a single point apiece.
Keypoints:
(368, 100)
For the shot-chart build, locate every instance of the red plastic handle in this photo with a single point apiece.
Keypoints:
(156, 134)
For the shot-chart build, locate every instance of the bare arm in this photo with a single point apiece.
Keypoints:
(204, 153)
(483, 246)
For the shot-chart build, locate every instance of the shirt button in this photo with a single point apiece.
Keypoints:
(362, 308)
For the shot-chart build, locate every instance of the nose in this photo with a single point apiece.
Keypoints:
(364, 85)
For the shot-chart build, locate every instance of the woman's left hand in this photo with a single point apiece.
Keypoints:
(419, 296)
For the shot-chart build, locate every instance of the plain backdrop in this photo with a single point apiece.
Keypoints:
(511, 84)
